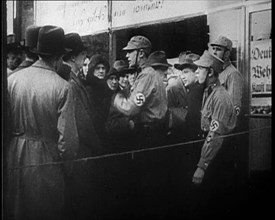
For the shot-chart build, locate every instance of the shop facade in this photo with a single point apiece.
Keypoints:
(175, 26)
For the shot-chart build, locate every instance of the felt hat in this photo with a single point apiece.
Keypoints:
(51, 41)
(158, 58)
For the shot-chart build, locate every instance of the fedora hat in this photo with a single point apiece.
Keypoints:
(209, 60)
(158, 58)
(51, 41)
(122, 67)
(32, 36)
(74, 42)
(187, 60)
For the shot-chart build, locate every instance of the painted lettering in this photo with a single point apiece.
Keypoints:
(257, 53)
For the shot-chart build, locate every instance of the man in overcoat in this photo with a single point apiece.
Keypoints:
(44, 133)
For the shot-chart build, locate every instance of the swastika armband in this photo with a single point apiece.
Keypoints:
(214, 125)
(237, 110)
(139, 99)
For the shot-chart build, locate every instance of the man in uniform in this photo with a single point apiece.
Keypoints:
(147, 99)
(230, 77)
(218, 118)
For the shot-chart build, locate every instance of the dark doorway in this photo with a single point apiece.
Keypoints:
(174, 37)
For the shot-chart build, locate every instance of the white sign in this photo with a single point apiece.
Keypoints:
(129, 13)
(261, 73)
(83, 17)
(260, 67)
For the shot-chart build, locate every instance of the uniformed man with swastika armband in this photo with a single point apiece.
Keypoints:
(147, 100)
(230, 77)
(218, 117)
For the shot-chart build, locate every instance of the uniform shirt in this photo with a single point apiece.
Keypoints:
(233, 82)
(218, 118)
(147, 97)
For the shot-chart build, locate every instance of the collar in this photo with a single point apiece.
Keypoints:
(226, 64)
(214, 84)
(43, 65)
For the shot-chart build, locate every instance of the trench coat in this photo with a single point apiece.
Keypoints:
(43, 131)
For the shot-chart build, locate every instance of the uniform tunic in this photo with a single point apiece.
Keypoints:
(147, 97)
(148, 103)
(233, 82)
(44, 131)
(218, 118)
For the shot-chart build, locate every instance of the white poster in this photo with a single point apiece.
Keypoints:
(260, 75)
(83, 17)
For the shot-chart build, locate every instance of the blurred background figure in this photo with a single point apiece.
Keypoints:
(30, 43)
(84, 70)
(122, 67)
(14, 53)
(112, 80)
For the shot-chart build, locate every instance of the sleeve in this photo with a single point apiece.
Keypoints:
(235, 89)
(68, 142)
(178, 116)
(210, 149)
(222, 122)
(142, 90)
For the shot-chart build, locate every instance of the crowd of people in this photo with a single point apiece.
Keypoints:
(64, 106)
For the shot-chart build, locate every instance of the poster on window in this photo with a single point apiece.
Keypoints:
(260, 77)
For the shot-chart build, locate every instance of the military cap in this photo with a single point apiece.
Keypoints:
(138, 42)
(223, 42)
(209, 60)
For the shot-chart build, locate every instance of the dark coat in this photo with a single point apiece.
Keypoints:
(44, 131)
(100, 99)
(88, 138)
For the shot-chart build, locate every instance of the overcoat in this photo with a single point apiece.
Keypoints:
(43, 133)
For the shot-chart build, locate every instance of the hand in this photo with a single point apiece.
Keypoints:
(198, 176)
(131, 124)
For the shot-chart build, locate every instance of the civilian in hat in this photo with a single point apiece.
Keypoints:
(14, 54)
(122, 67)
(44, 132)
(112, 80)
(118, 125)
(230, 77)
(31, 42)
(99, 92)
(215, 169)
(184, 100)
(81, 183)
(83, 72)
